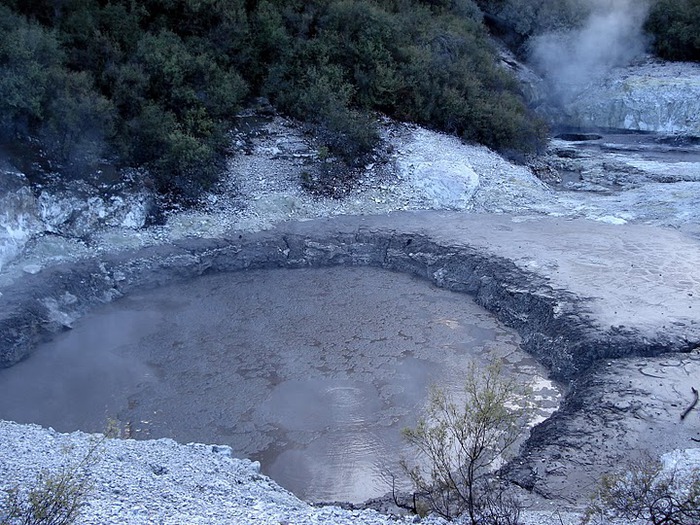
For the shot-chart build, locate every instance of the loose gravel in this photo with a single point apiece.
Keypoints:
(166, 483)
(163, 482)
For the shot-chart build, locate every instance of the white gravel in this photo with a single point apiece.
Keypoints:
(425, 171)
(162, 482)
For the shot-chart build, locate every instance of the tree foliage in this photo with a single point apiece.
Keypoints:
(459, 444)
(105, 73)
(518, 20)
(675, 25)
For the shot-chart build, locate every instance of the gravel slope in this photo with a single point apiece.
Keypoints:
(161, 481)
(166, 483)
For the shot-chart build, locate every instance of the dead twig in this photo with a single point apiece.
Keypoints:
(692, 405)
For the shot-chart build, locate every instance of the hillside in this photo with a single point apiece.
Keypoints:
(154, 84)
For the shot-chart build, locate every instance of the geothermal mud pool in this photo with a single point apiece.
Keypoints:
(312, 372)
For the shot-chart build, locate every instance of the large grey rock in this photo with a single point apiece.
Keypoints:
(654, 96)
(19, 215)
(78, 210)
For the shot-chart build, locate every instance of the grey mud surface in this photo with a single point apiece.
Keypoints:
(312, 372)
(618, 411)
(580, 294)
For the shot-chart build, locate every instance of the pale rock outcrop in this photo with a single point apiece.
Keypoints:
(656, 96)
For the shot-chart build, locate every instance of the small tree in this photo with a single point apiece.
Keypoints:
(461, 443)
(646, 492)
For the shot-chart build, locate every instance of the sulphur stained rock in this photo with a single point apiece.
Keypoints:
(654, 96)
(18, 215)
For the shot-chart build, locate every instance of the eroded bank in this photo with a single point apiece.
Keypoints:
(578, 292)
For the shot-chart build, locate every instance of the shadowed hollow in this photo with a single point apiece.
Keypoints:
(312, 372)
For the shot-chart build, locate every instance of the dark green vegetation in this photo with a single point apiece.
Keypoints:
(517, 20)
(156, 83)
(675, 25)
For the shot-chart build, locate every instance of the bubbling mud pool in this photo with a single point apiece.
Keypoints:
(313, 372)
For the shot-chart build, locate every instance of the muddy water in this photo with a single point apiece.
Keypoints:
(312, 372)
(642, 156)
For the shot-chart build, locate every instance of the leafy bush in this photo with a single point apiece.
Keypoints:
(40, 97)
(154, 83)
(645, 491)
(675, 25)
(527, 18)
(427, 62)
(55, 500)
(460, 443)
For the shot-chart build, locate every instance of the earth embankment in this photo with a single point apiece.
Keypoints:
(577, 291)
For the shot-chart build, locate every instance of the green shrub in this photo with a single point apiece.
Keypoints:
(30, 60)
(418, 61)
(156, 82)
(535, 17)
(675, 26)
(78, 120)
(644, 492)
(459, 442)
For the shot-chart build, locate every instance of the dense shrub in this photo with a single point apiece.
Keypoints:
(675, 25)
(526, 18)
(154, 83)
(40, 96)
(427, 62)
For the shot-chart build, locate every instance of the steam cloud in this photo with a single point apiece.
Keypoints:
(611, 36)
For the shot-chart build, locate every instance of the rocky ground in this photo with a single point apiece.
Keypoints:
(603, 180)
(163, 482)
(649, 95)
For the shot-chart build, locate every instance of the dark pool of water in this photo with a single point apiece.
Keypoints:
(312, 372)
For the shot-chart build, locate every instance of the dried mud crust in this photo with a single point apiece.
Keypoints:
(617, 411)
(574, 289)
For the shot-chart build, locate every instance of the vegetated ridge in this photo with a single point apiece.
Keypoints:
(155, 84)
